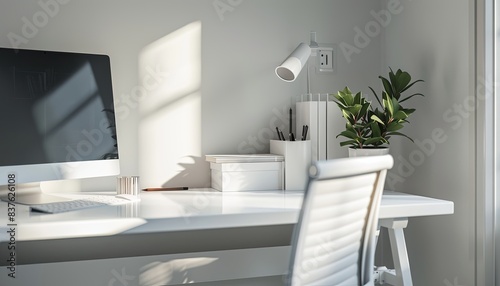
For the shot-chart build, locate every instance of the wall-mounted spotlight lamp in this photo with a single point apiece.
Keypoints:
(293, 64)
(291, 67)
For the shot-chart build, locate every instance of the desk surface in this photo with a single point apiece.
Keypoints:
(192, 210)
(165, 223)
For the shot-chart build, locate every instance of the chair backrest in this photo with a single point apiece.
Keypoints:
(334, 240)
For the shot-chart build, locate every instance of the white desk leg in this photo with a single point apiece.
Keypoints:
(402, 275)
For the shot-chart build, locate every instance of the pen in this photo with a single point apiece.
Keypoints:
(290, 118)
(165, 189)
(280, 134)
(282, 137)
(304, 132)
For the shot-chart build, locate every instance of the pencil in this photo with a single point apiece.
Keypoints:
(165, 189)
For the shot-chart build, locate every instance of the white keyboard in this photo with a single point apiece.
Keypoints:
(83, 202)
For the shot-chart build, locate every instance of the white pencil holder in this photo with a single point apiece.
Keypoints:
(297, 156)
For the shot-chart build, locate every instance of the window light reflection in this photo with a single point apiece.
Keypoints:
(170, 123)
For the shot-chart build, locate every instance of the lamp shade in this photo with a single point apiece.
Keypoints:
(291, 67)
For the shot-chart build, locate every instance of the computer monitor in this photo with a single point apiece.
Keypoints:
(57, 118)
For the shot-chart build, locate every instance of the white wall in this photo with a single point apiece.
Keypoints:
(433, 40)
(213, 89)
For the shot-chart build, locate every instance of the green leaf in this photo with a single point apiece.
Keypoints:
(345, 96)
(346, 114)
(411, 96)
(357, 98)
(376, 96)
(376, 118)
(387, 86)
(340, 105)
(388, 106)
(346, 90)
(393, 78)
(395, 105)
(350, 142)
(375, 141)
(348, 134)
(402, 81)
(394, 126)
(400, 134)
(409, 110)
(400, 115)
(364, 109)
(375, 129)
(343, 99)
(354, 109)
(411, 84)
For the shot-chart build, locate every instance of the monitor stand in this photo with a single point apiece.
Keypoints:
(29, 194)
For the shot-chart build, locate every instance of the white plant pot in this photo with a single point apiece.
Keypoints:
(368, 151)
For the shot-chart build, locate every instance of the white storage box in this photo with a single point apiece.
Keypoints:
(230, 173)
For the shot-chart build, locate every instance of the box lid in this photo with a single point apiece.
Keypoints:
(244, 158)
(246, 167)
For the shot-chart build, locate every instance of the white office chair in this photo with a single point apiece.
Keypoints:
(334, 240)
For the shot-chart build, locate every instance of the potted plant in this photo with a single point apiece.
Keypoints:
(369, 128)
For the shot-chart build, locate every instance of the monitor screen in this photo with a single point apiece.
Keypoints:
(56, 116)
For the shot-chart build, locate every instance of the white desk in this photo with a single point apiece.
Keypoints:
(191, 221)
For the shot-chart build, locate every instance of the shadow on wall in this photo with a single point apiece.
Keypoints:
(188, 171)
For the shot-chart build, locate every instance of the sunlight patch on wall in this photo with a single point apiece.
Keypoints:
(170, 110)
